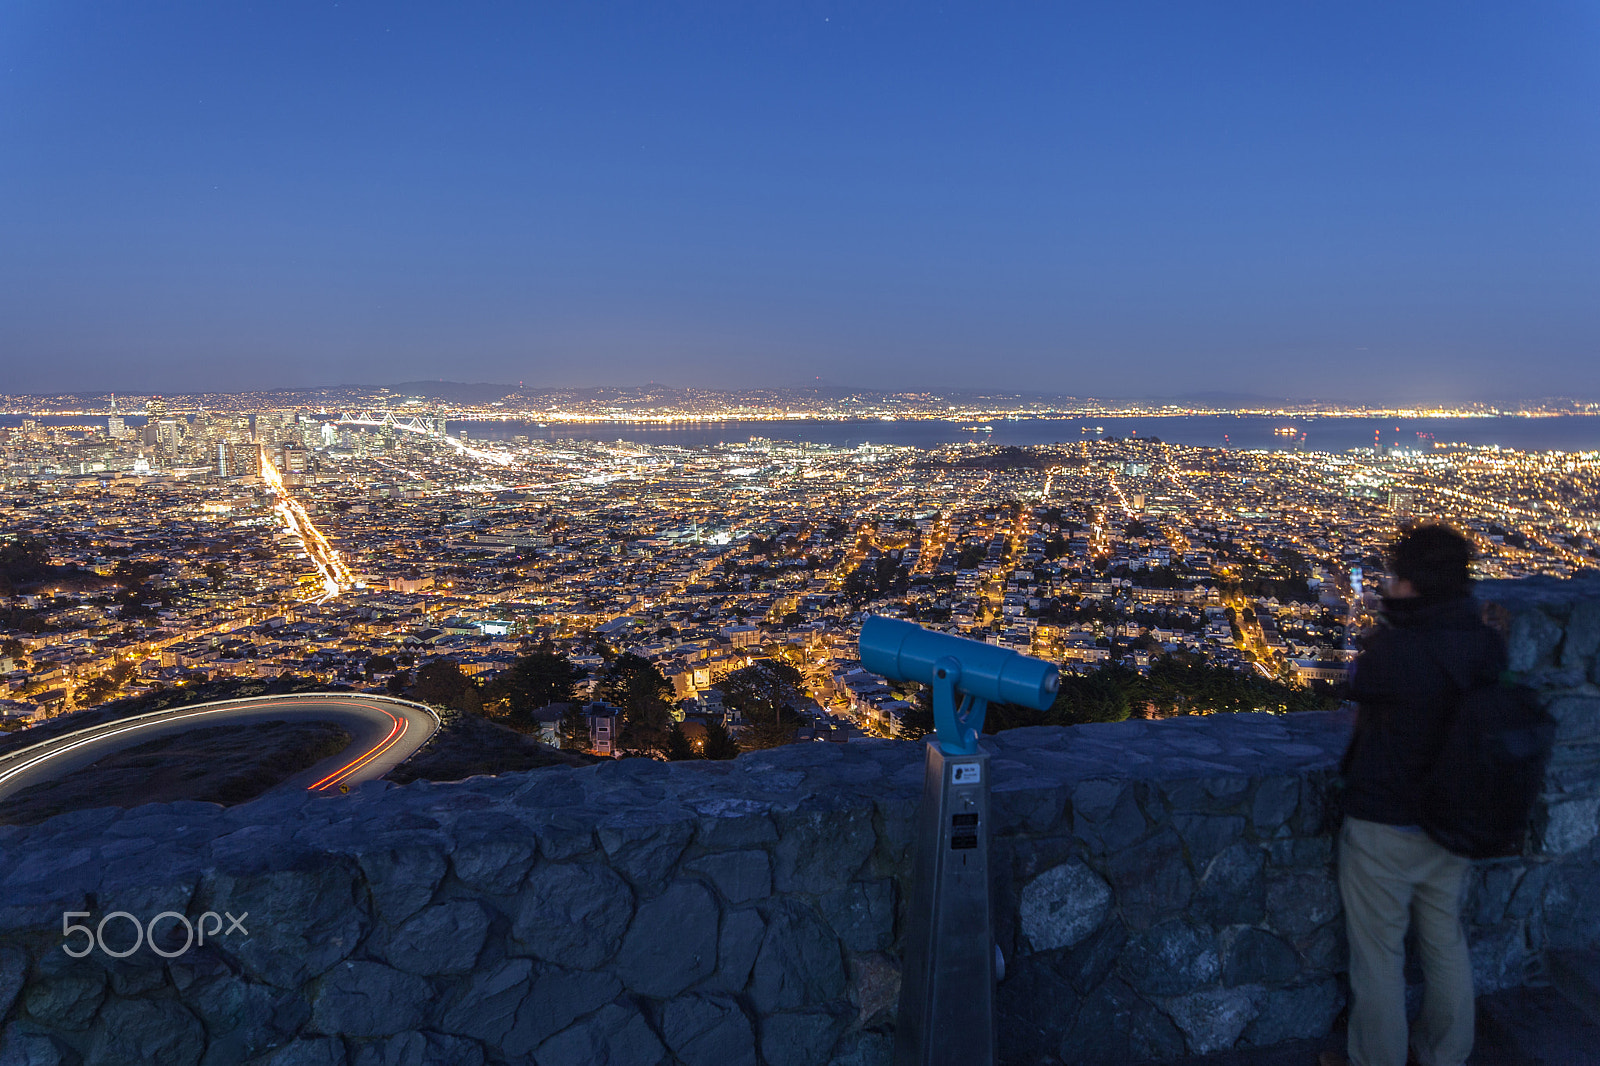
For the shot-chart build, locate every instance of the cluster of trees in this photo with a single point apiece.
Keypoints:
(765, 693)
(1173, 686)
(1285, 578)
(23, 560)
(544, 676)
(883, 576)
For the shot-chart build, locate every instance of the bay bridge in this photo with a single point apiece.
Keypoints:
(421, 424)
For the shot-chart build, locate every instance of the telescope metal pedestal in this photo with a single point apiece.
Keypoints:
(946, 1013)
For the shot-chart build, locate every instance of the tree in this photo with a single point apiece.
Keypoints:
(441, 681)
(764, 693)
(719, 743)
(216, 571)
(96, 690)
(541, 677)
(678, 746)
(645, 698)
(574, 728)
(22, 560)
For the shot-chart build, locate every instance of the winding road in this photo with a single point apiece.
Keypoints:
(384, 733)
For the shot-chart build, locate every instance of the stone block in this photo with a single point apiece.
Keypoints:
(819, 850)
(1115, 1026)
(23, 1046)
(13, 972)
(1086, 966)
(1213, 1019)
(1569, 826)
(1304, 853)
(402, 879)
(1315, 817)
(1034, 1005)
(306, 918)
(741, 876)
(1532, 640)
(615, 1035)
(645, 846)
(444, 938)
(1528, 892)
(738, 943)
(1583, 635)
(708, 1031)
(494, 864)
(1097, 797)
(1171, 959)
(146, 1031)
(802, 1038)
(1107, 828)
(486, 1008)
(896, 819)
(1206, 834)
(312, 1051)
(559, 997)
(865, 1049)
(1326, 950)
(799, 964)
(563, 835)
(1274, 803)
(1491, 886)
(67, 999)
(862, 914)
(1151, 880)
(1256, 957)
(734, 823)
(1030, 805)
(420, 1049)
(874, 987)
(369, 999)
(1300, 903)
(1297, 1013)
(241, 1017)
(672, 942)
(143, 972)
(1205, 795)
(1062, 906)
(573, 914)
(1577, 720)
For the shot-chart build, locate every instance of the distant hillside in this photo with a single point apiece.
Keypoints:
(454, 391)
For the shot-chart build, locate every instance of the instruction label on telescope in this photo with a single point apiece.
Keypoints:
(966, 774)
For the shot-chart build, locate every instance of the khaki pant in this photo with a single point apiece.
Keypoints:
(1387, 877)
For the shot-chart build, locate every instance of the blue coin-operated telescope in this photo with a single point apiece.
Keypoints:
(947, 984)
(978, 673)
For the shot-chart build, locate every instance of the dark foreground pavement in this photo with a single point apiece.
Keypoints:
(1518, 1027)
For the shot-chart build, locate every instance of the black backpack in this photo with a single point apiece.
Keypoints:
(1479, 796)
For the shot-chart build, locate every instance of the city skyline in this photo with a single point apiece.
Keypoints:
(1330, 203)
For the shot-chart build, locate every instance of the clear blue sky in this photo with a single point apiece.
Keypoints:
(1308, 199)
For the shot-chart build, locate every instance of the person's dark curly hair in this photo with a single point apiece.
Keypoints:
(1435, 559)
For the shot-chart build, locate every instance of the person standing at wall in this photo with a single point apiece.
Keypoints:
(1407, 683)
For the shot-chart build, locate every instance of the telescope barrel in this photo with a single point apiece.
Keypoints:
(904, 651)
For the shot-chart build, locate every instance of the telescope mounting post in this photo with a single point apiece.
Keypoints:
(958, 726)
(946, 1013)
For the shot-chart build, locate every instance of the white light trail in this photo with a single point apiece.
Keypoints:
(336, 577)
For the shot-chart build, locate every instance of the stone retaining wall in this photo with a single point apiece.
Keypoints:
(1162, 888)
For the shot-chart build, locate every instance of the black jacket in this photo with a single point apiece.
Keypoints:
(1406, 684)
